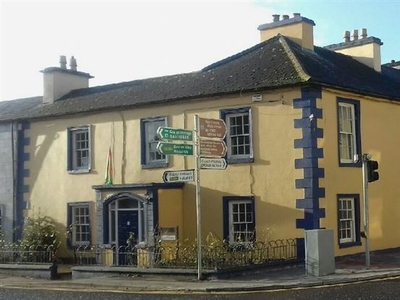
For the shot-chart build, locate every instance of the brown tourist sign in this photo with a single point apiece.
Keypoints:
(212, 128)
(212, 148)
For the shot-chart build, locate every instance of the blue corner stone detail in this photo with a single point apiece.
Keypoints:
(309, 162)
(22, 173)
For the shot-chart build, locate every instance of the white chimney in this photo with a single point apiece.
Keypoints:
(59, 81)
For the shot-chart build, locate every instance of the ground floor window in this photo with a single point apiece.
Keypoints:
(79, 223)
(348, 220)
(239, 219)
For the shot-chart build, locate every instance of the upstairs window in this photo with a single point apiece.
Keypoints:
(150, 157)
(348, 132)
(79, 149)
(239, 135)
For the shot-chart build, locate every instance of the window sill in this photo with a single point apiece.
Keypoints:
(155, 166)
(240, 160)
(83, 171)
(350, 165)
(350, 244)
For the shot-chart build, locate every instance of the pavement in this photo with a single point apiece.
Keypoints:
(385, 264)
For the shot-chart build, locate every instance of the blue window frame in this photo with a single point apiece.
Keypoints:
(239, 140)
(349, 134)
(239, 219)
(348, 220)
(150, 157)
(79, 149)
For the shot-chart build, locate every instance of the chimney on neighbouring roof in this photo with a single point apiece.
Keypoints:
(63, 62)
(365, 49)
(72, 63)
(298, 28)
(58, 81)
(393, 64)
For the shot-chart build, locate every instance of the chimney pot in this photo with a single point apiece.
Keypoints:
(296, 15)
(346, 36)
(63, 62)
(364, 34)
(355, 35)
(285, 17)
(275, 18)
(72, 64)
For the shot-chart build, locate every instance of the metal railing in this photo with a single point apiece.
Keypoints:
(14, 253)
(184, 255)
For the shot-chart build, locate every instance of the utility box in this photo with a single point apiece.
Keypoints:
(320, 258)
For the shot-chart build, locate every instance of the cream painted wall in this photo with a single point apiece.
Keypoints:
(380, 136)
(271, 178)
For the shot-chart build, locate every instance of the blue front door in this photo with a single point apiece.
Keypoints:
(128, 221)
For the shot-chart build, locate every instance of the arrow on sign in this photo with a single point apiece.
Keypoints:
(174, 134)
(213, 163)
(212, 148)
(174, 149)
(178, 176)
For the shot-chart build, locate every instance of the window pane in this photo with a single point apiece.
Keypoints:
(347, 136)
(81, 225)
(152, 155)
(238, 139)
(346, 220)
(80, 148)
(241, 221)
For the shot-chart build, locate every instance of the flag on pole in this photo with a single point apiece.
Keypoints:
(109, 169)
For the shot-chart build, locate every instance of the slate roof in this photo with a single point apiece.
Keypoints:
(275, 63)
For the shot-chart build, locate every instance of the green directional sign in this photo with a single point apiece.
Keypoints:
(174, 149)
(175, 134)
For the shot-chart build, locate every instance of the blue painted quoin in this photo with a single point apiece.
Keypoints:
(22, 173)
(309, 162)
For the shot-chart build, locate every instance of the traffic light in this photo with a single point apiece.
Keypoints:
(372, 173)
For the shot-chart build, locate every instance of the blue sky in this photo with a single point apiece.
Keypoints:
(128, 40)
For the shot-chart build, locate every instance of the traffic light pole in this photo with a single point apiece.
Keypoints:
(365, 159)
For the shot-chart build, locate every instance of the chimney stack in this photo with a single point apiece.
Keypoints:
(59, 81)
(366, 49)
(72, 63)
(299, 29)
(275, 18)
(364, 34)
(346, 37)
(63, 62)
(355, 35)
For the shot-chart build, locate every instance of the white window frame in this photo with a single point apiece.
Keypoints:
(347, 220)
(241, 236)
(244, 135)
(77, 226)
(74, 155)
(347, 138)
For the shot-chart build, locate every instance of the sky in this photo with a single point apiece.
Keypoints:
(127, 40)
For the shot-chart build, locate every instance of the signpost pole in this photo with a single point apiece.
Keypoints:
(198, 212)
